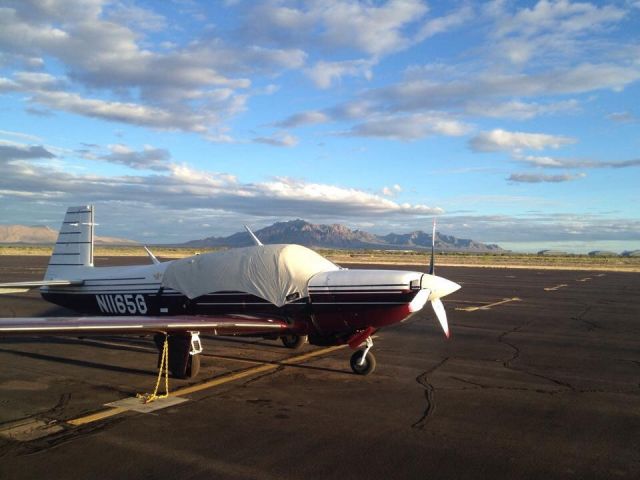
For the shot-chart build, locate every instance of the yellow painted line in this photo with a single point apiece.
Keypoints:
(94, 417)
(487, 307)
(550, 289)
(224, 379)
(251, 371)
(233, 359)
(231, 377)
(585, 279)
(316, 353)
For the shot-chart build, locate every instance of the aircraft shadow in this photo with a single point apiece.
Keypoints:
(79, 363)
(136, 346)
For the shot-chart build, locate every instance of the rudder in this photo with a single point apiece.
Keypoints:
(74, 246)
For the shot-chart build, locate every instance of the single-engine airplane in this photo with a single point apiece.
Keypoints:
(285, 291)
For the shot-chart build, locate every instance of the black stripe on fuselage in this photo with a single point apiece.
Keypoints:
(66, 264)
(116, 279)
(360, 285)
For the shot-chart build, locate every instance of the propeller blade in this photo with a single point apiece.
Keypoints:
(438, 308)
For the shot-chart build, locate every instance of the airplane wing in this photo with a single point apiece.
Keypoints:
(216, 325)
(21, 287)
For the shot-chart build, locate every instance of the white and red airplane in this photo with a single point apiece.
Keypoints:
(272, 291)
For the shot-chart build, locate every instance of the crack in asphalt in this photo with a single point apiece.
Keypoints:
(498, 387)
(590, 325)
(429, 391)
(516, 354)
(263, 376)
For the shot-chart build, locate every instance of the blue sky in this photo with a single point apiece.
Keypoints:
(515, 123)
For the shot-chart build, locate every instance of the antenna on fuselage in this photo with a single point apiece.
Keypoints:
(153, 258)
(255, 239)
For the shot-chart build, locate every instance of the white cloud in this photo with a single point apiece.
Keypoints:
(132, 113)
(282, 139)
(325, 74)
(104, 47)
(557, 162)
(622, 117)
(150, 158)
(543, 178)
(409, 127)
(502, 140)
(519, 110)
(304, 118)
(549, 29)
(392, 190)
(445, 23)
(473, 87)
(9, 152)
(23, 136)
(373, 29)
(182, 187)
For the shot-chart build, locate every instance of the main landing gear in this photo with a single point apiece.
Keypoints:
(184, 349)
(362, 361)
(294, 341)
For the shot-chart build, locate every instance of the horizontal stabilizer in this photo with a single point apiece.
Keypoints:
(19, 287)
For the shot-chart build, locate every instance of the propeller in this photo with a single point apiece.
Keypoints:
(438, 286)
(438, 308)
(433, 247)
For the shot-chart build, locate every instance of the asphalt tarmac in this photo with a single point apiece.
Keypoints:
(541, 379)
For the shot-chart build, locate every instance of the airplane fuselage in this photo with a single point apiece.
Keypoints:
(339, 302)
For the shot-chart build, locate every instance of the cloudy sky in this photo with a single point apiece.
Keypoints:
(516, 123)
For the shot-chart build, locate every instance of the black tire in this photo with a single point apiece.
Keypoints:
(193, 366)
(369, 363)
(293, 341)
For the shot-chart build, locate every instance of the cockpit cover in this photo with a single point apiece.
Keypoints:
(272, 272)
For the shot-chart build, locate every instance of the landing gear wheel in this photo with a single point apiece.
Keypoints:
(367, 367)
(193, 366)
(293, 341)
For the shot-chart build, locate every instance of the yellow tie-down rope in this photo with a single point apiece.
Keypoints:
(164, 366)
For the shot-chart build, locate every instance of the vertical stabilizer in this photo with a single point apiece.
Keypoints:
(74, 247)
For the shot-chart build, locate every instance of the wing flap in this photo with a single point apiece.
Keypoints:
(217, 325)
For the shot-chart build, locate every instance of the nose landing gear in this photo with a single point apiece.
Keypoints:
(363, 362)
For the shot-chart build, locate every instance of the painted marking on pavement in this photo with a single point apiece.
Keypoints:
(231, 377)
(94, 417)
(585, 279)
(487, 307)
(557, 287)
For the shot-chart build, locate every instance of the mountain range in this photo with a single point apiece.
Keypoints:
(340, 236)
(37, 235)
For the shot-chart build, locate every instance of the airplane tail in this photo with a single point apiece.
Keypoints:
(74, 247)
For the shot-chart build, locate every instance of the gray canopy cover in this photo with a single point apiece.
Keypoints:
(271, 272)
